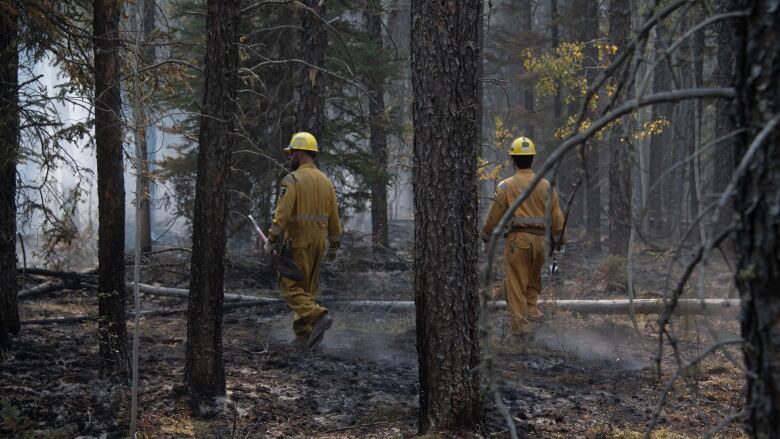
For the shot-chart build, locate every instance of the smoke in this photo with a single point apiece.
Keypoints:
(610, 343)
(372, 338)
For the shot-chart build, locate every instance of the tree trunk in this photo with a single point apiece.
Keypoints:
(620, 184)
(378, 136)
(527, 23)
(445, 60)
(204, 368)
(9, 139)
(554, 34)
(586, 26)
(111, 190)
(724, 158)
(757, 204)
(686, 123)
(314, 41)
(657, 204)
(145, 213)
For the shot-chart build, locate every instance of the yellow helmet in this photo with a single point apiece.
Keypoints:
(302, 141)
(523, 146)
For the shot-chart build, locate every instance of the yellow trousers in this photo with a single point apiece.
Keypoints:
(523, 262)
(300, 296)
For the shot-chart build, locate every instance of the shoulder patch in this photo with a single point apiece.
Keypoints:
(502, 185)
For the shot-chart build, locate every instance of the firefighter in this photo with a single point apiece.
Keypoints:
(525, 235)
(306, 224)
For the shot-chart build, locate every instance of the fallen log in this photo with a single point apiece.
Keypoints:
(721, 307)
(41, 289)
(184, 293)
(147, 313)
(725, 307)
(69, 275)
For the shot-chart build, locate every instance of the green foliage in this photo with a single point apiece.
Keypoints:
(614, 270)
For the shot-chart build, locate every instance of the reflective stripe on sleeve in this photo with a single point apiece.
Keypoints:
(312, 217)
(528, 221)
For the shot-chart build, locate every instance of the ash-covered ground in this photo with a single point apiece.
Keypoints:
(591, 377)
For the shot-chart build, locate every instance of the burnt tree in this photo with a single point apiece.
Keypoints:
(724, 158)
(620, 184)
(658, 196)
(529, 99)
(148, 58)
(204, 369)
(375, 82)
(311, 91)
(757, 205)
(445, 56)
(586, 24)
(111, 190)
(9, 139)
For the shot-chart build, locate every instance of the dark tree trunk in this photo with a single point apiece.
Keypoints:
(724, 158)
(9, 140)
(657, 202)
(204, 369)
(695, 171)
(527, 23)
(145, 213)
(554, 34)
(378, 126)
(314, 41)
(588, 26)
(757, 204)
(686, 124)
(445, 55)
(111, 190)
(620, 183)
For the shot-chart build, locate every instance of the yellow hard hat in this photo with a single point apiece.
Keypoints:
(302, 141)
(523, 146)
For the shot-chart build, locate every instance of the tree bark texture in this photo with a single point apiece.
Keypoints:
(620, 184)
(445, 60)
(375, 83)
(685, 124)
(724, 159)
(587, 27)
(9, 147)
(204, 367)
(311, 92)
(111, 190)
(144, 207)
(529, 98)
(657, 202)
(555, 35)
(758, 204)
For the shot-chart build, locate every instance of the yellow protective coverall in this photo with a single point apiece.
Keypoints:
(524, 247)
(307, 216)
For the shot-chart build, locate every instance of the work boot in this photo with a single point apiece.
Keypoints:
(535, 315)
(299, 342)
(318, 330)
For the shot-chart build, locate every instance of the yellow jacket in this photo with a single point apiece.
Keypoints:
(307, 211)
(532, 212)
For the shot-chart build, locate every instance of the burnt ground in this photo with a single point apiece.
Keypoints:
(590, 377)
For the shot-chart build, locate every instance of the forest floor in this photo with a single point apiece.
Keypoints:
(589, 377)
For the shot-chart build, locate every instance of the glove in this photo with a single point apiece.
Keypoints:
(270, 247)
(332, 255)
